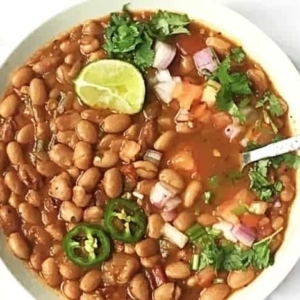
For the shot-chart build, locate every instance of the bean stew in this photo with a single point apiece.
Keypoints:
(119, 158)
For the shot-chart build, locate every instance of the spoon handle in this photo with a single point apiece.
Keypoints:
(271, 150)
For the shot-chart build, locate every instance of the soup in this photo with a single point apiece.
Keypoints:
(120, 162)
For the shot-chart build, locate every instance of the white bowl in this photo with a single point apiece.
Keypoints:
(257, 45)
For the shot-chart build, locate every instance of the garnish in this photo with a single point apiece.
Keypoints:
(237, 54)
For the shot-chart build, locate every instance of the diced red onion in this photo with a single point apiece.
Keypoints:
(163, 75)
(225, 228)
(169, 216)
(153, 156)
(171, 204)
(182, 115)
(206, 61)
(258, 207)
(244, 234)
(174, 235)
(164, 55)
(161, 193)
(244, 142)
(232, 131)
(138, 195)
(164, 91)
(277, 204)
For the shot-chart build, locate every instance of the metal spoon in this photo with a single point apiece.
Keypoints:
(271, 150)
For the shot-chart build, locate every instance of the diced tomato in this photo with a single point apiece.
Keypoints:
(227, 209)
(186, 93)
(250, 220)
(221, 120)
(198, 111)
(183, 160)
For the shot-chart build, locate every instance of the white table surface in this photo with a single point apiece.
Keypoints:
(278, 18)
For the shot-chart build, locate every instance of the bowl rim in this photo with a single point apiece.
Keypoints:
(261, 287)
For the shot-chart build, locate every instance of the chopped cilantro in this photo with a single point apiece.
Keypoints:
(235, 175)
(245, 102)
(291, 160)
(260, 183)
(232, 84)
(133, 41)
(237, 54)
(224, 255)
(240, 210)
(164, 24)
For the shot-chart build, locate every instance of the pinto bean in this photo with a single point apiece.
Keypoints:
(19, 246)
(106, 159)
(145, 186)
(221, 46)
(69, 212)
(151, 261)
(26, 134)
(93, 214)
(30, 177)
(9, 219)
(92, 115)
(3, 156)
(277, 223)
(188, 127)
(129, 151)
(56, 230)
(38, 92)
(29, 213)
(92, 28)
(129, 249)
(106, 142)
(71, 289)
(46, 65)
(184, 220)
(22, 77)
(147, 247)
(39, 254)
(80, 198)
(83, 155)
(217, 291)
(239, 279)
(34, 198)
(85, 296)
(205, 277)
(87, 132)
(4, 192)
(191, 193)
(164, 142)
(15, 200)
(167, 291)
(132, 133)
(155, 225)
(116, 123)
(178, 270)
(61, 155)
(13, 182)
(145, 169)
(70, 271)
(89, 179)
(69, 46)
(47, 168)
(67, 121)
(113, 183)
(288, 192)
(259, 79)
(43, 131)
(15, 153)
(51, 273)
(61, 187)
(139, 287)
(206, 219)
(9, 105)
(38, 235)
(90, 281)
(68, 137)
(172, 178)
(90, 46)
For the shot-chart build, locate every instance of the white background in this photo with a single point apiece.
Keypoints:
(278, 18)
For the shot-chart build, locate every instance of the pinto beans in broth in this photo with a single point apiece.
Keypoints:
(63, 162)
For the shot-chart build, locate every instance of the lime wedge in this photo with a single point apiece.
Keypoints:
(111, 84)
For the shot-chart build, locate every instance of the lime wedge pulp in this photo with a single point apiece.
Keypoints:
(111, 84)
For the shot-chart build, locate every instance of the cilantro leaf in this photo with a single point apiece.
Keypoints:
(262, 257)
(259, 182)
(235, 175)
(237, 54)
(245, 102)
(133, 41)
(232, 84)
(214, 181)
(164, 24)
